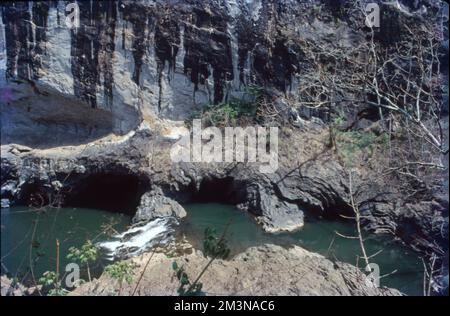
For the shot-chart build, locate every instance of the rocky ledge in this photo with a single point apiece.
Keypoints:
(263, 270)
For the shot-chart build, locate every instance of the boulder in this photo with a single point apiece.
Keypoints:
(154, 204)
(273, 214)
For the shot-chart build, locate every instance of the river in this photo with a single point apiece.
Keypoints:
(29, 236)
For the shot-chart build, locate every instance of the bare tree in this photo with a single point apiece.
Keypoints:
(400, 79)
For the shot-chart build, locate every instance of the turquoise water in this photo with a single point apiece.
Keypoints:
(28, 236)
(317, 236)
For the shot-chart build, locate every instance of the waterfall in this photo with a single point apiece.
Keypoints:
(139, 238)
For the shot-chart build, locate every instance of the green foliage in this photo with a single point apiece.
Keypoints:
(48, 279)
(223, 114)
(317, 10)
(351, 144)
(383, 139)
(357, 139)
(50, 282)
(186, 288)
(57, 292)
(88, 253)
(255, 92)
(231, 113)
(338, 121)
(213, 246)
(121, 271)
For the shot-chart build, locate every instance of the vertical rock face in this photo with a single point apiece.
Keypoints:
(92, 51)
(264, 48)
(25, 32)
(17, 36)
(167, 58)
(208, 49)
(138, 18)
(170, 57)
(39, 18)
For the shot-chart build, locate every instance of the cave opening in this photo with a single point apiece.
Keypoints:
(112, 192)
(34, 194)
(217, 190)
(335, 211)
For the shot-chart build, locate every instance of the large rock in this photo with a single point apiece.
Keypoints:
(272, 213)
(154, 204)
(148, 56)
(264, 270)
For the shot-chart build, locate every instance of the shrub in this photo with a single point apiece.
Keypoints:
(121, 271)
(213, 246)
(350, 144)
(88, 253)
(231, 113)
(50, 282)
(185, 287)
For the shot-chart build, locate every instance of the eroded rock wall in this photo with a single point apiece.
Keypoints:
(168, 59)
(156, 56)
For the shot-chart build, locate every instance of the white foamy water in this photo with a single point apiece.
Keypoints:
(139, 238)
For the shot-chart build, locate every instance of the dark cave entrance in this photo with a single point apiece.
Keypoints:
(34, 194)
(230, 191)
(338, 211)
(112, 192)
(218, 190)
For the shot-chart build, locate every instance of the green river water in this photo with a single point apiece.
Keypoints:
(24, 230)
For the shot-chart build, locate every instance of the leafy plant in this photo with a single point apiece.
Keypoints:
(185, 288)
(213, 246)
(230, 113)
(121, 271)
(338, 121)
(48, 279)
(349, 143)
(256, 92)
(352, 143)
(222, 114)
(88, 253)
(50, 282)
